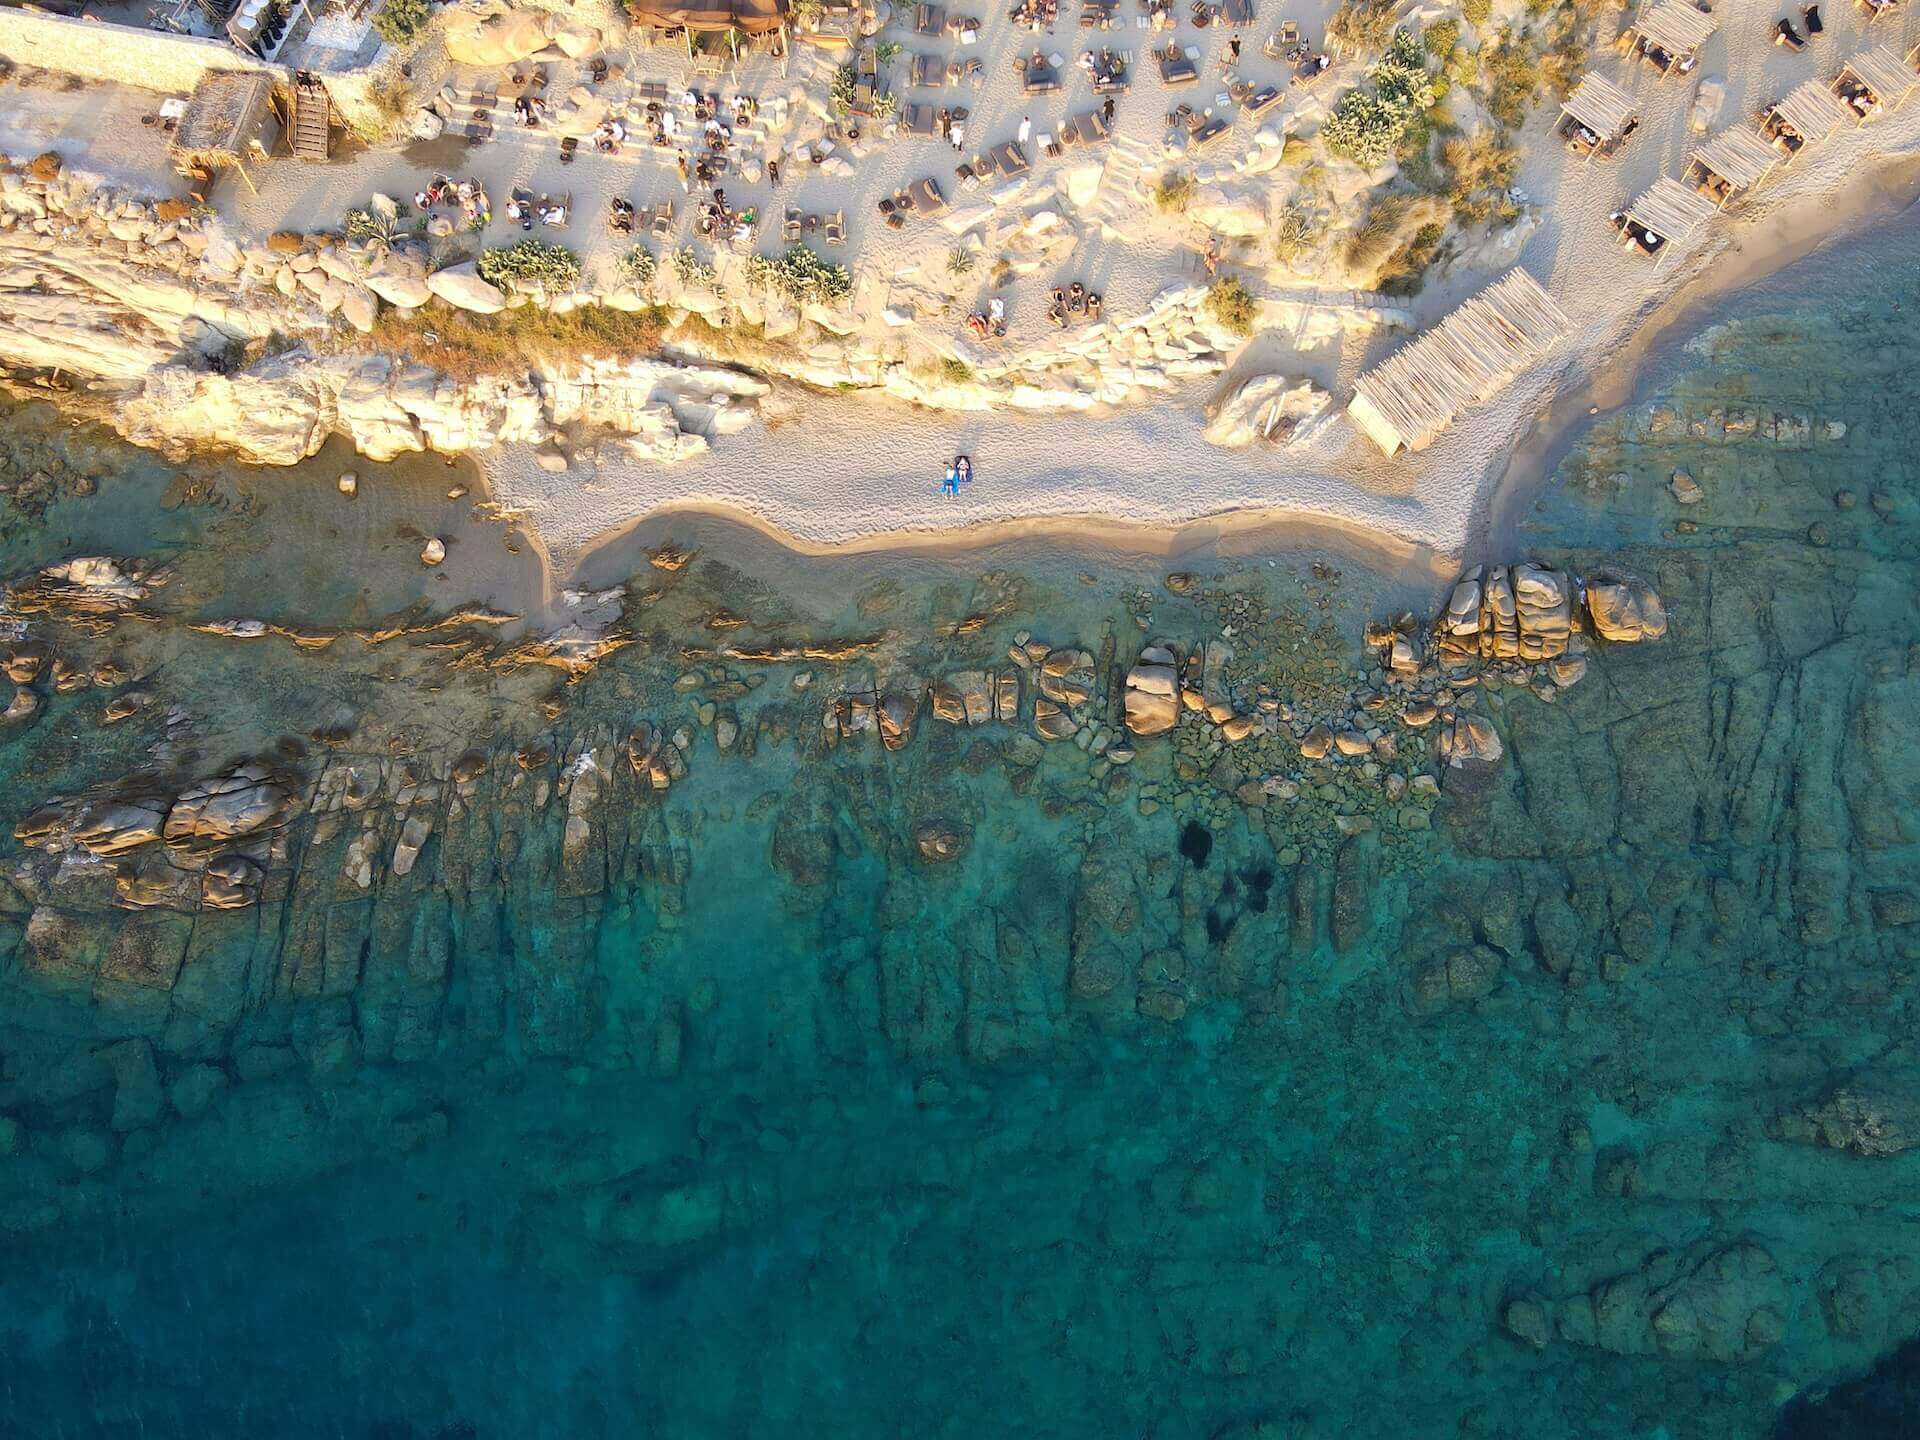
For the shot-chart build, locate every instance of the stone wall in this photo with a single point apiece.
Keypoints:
(146, 59)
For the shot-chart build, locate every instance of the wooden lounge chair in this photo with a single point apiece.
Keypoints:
(1262, 100)
(568, 147)
(1208, 133)
(836, 228)
(929, 20)
(927, 199)
(918, 119)
(929, 72)
(790, 231)
(663, 219)
(1010, 160)
(1175, 68)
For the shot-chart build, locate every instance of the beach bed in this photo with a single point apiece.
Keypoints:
(1731, 164)
(1009, 159)
(1089, 128)
(1668, 36)
(1208, 133)
(1874, 82)
(1663, 214)
(927, 72)
(929, 20)
(925, 198)
(919, 119)
(1810, 113)
(1175, 68)
(1262, 100)
(1597, 118)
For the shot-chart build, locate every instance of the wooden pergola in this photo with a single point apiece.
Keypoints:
(1605, 110)
(1669, 212)
(1730, 164)
(1810, 113)
(1669, 34)
(226, 123)
(1881, 76)
(1406, 400)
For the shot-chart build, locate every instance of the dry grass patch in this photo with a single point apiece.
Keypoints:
(467, 346)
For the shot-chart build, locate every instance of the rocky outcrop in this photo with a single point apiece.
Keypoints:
(1727, 1304)
(1277, 409)
(1874, 1115)
(1153, 692)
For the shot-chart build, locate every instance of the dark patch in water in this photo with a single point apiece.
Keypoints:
(1259, 880)
(1883, 1404)
(1217, 928)
(1196, 843)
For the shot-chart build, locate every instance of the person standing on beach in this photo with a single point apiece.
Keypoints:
(1026, 128)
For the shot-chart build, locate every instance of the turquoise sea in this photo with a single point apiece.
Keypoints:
(981, 1086)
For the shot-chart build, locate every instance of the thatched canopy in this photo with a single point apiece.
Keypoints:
(750, 17)
(1670, 210)
(1410, 397)
(1675, 27)
(1811, 110)
(1738, 156)
(1881, 71)
(1601, 106)
(224, 118)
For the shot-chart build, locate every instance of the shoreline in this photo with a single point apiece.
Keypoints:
(830, 481)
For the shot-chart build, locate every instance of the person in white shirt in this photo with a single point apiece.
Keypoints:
(1026, 128)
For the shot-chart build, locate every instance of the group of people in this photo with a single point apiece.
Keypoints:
(959, 473)
(990, 324)
(718, 221)
(1035, 15)
(523, 209)
(1072, 303)
(1106, 68)
(469, 195)
(608, 136)
(530, 110)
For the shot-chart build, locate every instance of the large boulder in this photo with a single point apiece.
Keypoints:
(1625, 608)
(400, 279)
(1267, 407)
(477, 38)
(1153, 693)
(461, 287)
(1543, 600)
(245, 801)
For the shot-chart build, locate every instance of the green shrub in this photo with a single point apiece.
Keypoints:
(802, 276)
(1361, 24)
(692, 270)
(467, 346)
(1441, 37)
(530, 265)
(1231, 305)
(960, 261)
(1480, 169)
(1292, 233)
(401, 21)
(636, 268)
(1174, 192)
(887, 51)
(840, 90)
(1367, 128)
(1476, 12)
(955, 372)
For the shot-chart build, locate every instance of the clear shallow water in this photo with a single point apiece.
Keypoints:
(731, 1114)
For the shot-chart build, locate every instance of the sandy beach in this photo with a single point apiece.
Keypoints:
(856, 471)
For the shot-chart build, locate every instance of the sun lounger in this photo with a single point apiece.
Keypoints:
(1097, 14)
(929, 71)
(929, 20)
(836, 228)
(916, 119)
(1237, 12)
(1010, 160)
(1176, 69)
(1087, 129)
(926, 196)
(1039, 80)
(790, 231)
(964, 176)
(1262, 100)
(1208, 133)
(663, 219)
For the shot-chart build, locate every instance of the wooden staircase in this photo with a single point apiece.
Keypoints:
(312, 118)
